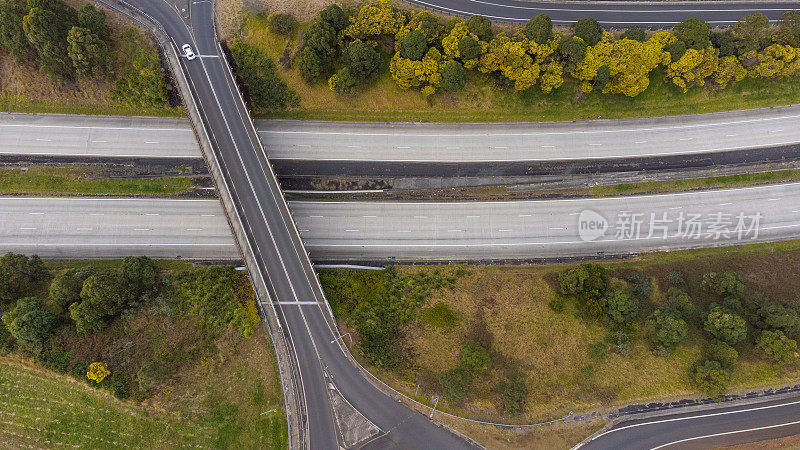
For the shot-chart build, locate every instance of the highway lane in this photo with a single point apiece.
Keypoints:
(278, 249)
(76, 135)
(620, 14)
(38, 134)
(740, 424)
(110, 228)
(457, 231)
(533, 141)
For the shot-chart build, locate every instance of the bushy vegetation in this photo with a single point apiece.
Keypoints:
(259, 80)
(422, 53)
(68, 44)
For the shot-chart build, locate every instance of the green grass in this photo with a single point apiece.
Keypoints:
(15, 104)
(483, 100)
(67, 181)
(48, 410)
(698, 183)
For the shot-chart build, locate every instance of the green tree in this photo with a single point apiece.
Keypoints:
(456, 384)
(584, 281)
(589, 30)
(539, 29)
(777, 346)
(138, 275)
(571, 51)
(621, 306)
(94, 19)
(343, 82)
(469, 48)
(722, 352)
(259, 76)
(454, 76)
(65, 289)
(751, 33)
(12, 34)
(90, 55)
(362, 61)
(414, 46)
(514, 392)
(725, 325)
(788, 32)
(142, 82)
(694, 33)
(635, 34)
(666, 330)
(29, 322)
(772, 315)
(19, 274)
(722, 41)
(676, 50)
(480, 26)
(310, 66)
(281, 23)
(725, 284)
(711, 378)
(321, 38)
(679, 303)
(102, 299)
(603, 76)
(475, 356)
(47, 33)
(335, 17)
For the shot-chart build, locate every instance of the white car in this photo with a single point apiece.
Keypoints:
(188, 52)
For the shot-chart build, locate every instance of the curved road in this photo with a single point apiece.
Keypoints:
(279, 253)
(620, 14)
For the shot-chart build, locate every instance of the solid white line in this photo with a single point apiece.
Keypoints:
(727, 432)
(81, 127)
(113, 244)
(298, 303)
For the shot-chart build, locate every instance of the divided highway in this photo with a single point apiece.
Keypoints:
(613, 14)
(395, 231)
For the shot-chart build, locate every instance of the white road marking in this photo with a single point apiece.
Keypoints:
(36, 213)
(453, 231)
(725, 204)
(27, 228)
(526, 215)
(420, 217)
(503, 231)
(369, 217)
(351, 231)
(207, 215)
(194, 229)
(44, 140)
(685, 139)
(152, 214)
(141, 229)
(473, 217)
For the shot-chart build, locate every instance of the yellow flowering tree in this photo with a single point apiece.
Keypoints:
(728, 70)
(693, 68)
(519, 59)
(424, 22)
(630, 63)
(775, 61)
(98, 371)
(425, 74)
(375, 19)
(450, 45)
(552, 76)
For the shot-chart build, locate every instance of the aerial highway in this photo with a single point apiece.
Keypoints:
(395, 231)
(613, 14)
(41, 134)
(275, 245)
(711, 428)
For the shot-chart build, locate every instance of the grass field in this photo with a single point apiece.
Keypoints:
(483, 101)
(564, 358)
(724, 181)
(72, 181)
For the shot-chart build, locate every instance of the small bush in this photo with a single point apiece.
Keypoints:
(636, 34)
(722, 352)
(282, 23)
(679, 303)
(54, 358)
(98, 371)
(725, 325)
(666, 330)
(621, 342)
(475, 356)
(456, 384)
(439, 316)
(79, 370)
(711, 378)
(777, 346)
(259, 77)
(676, 278)
(641, 286)
(725, 284)
(621, 306)
(514, 392)
(557, 303)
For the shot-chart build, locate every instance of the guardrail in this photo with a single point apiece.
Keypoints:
(294, 404)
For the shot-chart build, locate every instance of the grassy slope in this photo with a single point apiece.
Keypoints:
(68, 181)
(508, 306)
(481, 100)
(724, 181)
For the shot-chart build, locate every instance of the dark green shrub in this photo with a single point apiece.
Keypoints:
(679, 303)
(514, 392)
(666, 330)
(751, 33)
(282, 23)
(788, 32)
(29, 322)
(777, 346)
(19, 275)
(456, 384)
(676, 278)
(362, 60)
(621, 306)
(65, 289)
(54, 357)
(142, 82)
(414, 45)
(641, 286)
(772, 315)
(480, 26)
(469, 48)
(539, 29)
(636, 34)
(722, 41)
(694, 33)
(725, 284)
(557, 303)
(723, 353)
(676, 50)
(584, 281)
(335, 17)
(79, 370)
(259, 77)
(310, 66)
(454, 76)
(475, 356)
(725, 325)
(439, 316)
(589, 30)
(12, 35)
(711, 378)
(571, 50)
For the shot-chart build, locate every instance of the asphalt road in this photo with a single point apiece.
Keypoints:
(40, 134)
(741, 424)
(536, 141)
(379, 231)
(620, 14)
(278, 249)
(75, 135)
(110, 228)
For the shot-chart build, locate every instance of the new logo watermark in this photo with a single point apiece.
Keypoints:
(591, 225)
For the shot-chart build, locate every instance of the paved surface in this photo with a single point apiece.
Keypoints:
(377, 231)
(40, 134)
(74, 135)
(109, 228)
(601, 139)
(613, 14)
(279, 252)
(705, 429)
